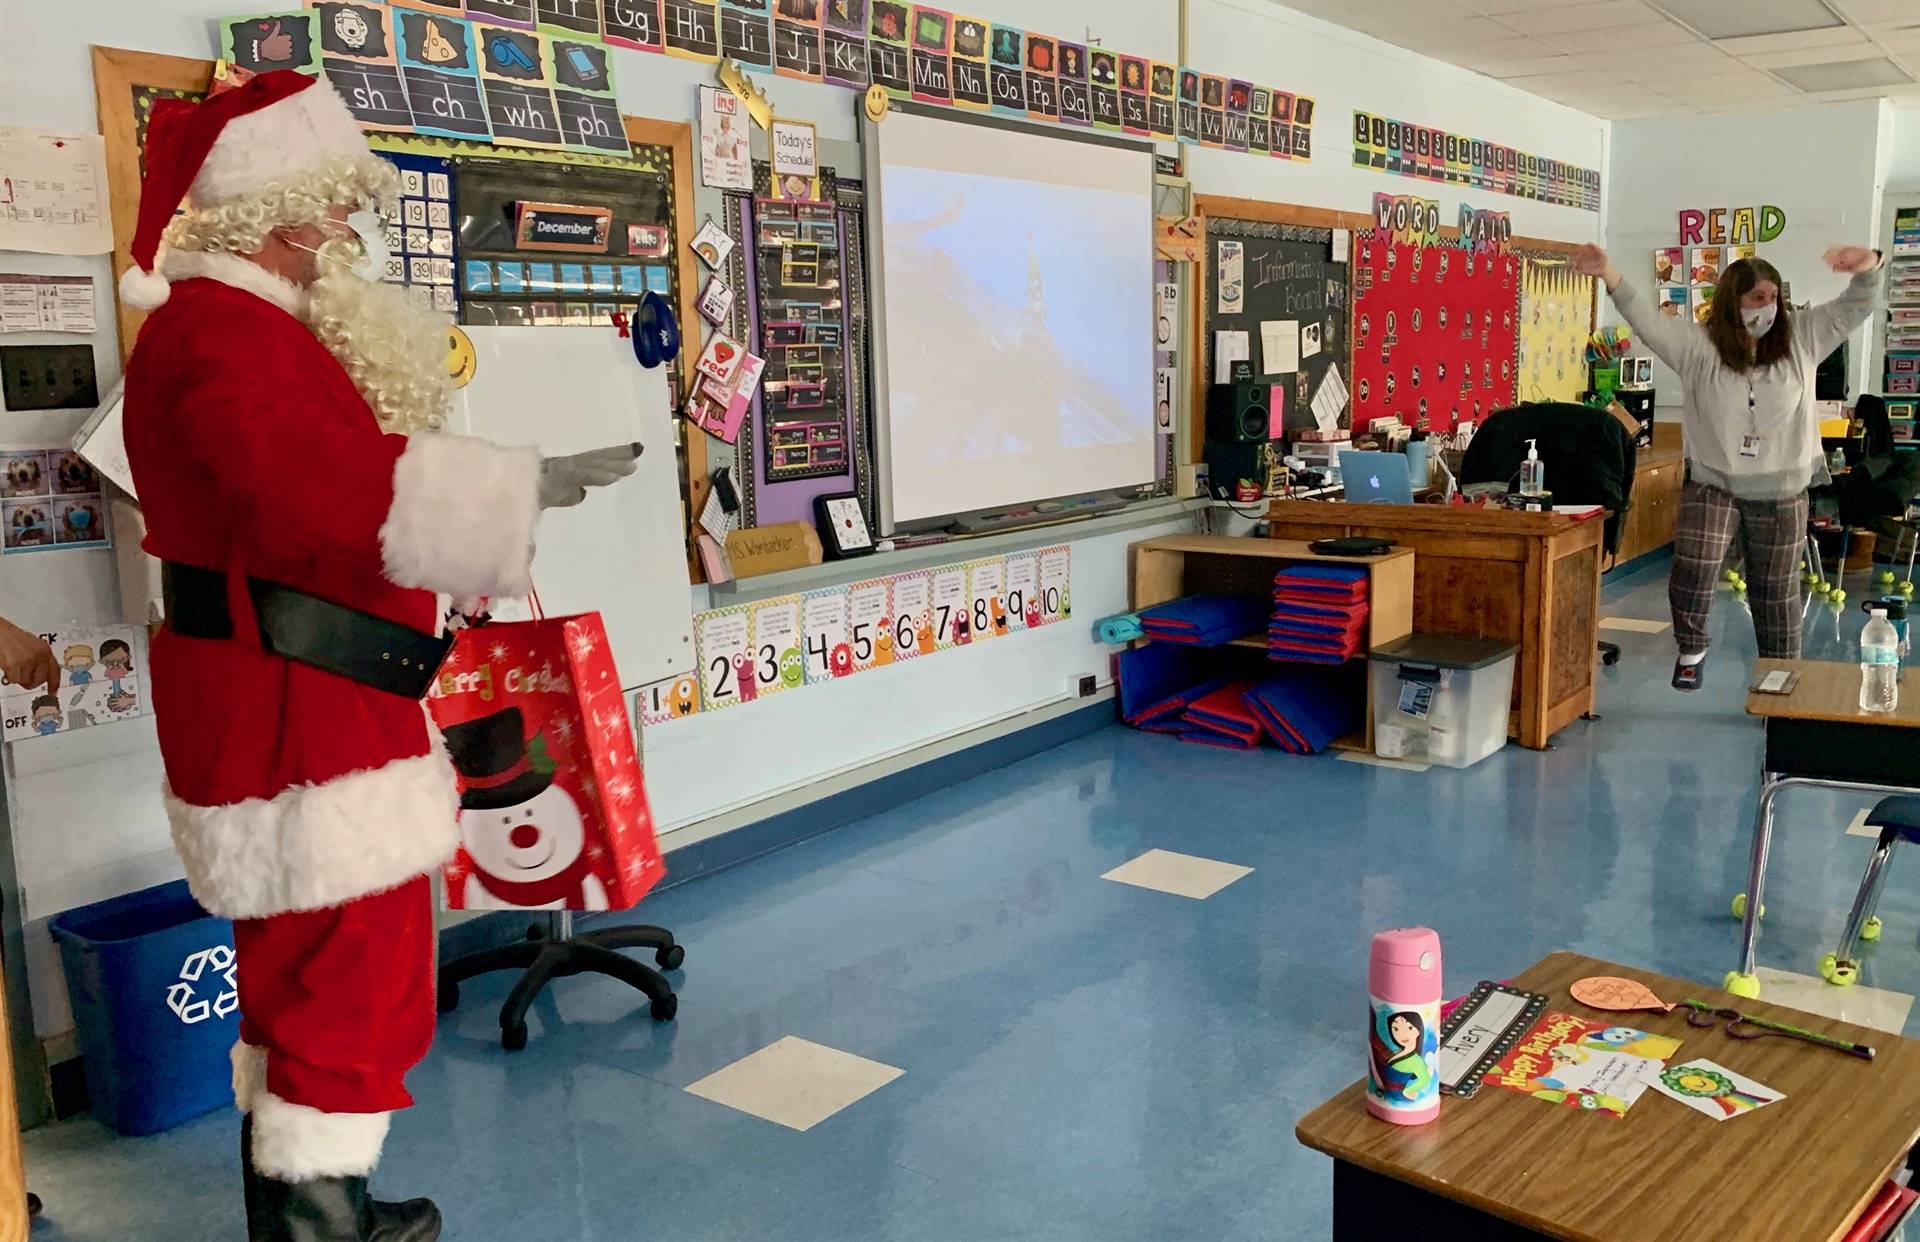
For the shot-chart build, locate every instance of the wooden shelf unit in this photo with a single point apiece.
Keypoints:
(1180, 565)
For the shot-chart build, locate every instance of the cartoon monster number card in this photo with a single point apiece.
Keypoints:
(1586, 1064)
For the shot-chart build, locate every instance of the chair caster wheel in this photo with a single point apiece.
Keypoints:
(1839, 974)
(1610, 658)
(1741, 985)
(33, 1206)
(448, 997)
(1740, 906)
(665, 1008)
(671, 957)
(513, 1038)
(1871, 929)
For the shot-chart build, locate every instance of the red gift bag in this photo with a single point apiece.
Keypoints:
(553, 811)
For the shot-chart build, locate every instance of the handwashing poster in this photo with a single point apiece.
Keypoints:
(1584, 1064)
(100, 682)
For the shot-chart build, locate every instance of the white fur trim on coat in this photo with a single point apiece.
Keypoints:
(295, 1143)
(237, 273)
(304, 132)
(249, 1073)
(312, 847)
(143, 290)
(462, 517)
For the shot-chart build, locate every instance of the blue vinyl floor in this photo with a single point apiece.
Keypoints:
(1082, 1059)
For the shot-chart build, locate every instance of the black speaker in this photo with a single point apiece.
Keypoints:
(1237, 413)
(1228, 463)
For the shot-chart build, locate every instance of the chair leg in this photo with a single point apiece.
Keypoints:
(516, 956)
(1867, 898)
(664, 1004)
(629, 936)
(550, 961)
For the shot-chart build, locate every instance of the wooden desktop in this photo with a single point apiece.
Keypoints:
(1504, 1166)
(1528, 578)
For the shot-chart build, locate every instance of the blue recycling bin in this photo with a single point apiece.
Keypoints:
(152, 980)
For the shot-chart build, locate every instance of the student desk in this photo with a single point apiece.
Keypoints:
(1528, 578)
(1504, 1166)
(1818, 736)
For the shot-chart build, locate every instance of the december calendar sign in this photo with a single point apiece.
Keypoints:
(749, 652)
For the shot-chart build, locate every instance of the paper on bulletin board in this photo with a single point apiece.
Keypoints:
(1166, 303)
(1331, 401)
(1309, 339)
(724, 636)
(823, 618)
(987, 604)
(1163, 389)
(1230, 284)
(725, 162)
(50, 501)
(53, 192)
(100, 683)
(1023, 591)
(912, 616)
(667, 700)
(1228, 348)
(869, 624)
(1279, 346)
(30, 303)
(1056, 583)
(777, 661)
(950, 621)
(1340, 245)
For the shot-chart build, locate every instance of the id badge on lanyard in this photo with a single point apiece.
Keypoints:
(1750, 443)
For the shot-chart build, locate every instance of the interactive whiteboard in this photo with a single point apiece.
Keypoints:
(621, 553)
(1012, 282)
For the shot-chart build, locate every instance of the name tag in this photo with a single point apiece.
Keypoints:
(1749, 446)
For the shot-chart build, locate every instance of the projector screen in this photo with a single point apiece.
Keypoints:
(1012, 282)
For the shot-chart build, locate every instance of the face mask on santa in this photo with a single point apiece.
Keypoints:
(366, 228)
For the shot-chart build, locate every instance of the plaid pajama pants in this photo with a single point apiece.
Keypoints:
(1770, 536)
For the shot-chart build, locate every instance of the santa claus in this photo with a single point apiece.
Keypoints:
(281, 416)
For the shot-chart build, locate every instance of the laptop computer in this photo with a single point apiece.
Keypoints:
(1376, 478)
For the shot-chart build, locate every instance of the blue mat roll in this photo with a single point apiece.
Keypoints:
(1117, 631)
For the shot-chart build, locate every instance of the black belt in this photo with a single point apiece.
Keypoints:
(306, 629)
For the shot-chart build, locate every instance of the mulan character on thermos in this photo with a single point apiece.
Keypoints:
(1403, 1026)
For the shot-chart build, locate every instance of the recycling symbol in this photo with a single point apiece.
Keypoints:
(216, 965)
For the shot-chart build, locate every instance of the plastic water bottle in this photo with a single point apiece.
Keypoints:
(1879, 664)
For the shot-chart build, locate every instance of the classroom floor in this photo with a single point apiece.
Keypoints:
(1019, 1048)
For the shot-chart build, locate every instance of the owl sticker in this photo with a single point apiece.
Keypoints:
(1416, 319)
(1443, 319)
(1366, 325)
(1415, 375)
(1392, 324)
(1363, 391)
(1389, 395)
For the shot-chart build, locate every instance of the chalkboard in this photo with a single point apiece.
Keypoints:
(1286, 274)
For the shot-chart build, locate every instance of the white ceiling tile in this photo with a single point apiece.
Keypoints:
(1533, 67)
(1502, 7)
(1594, 15)
(1728, 19)
(1855, 75)
(1466, 33)
(1813, 56)
(1793, 41)
(1552, 84)
(1517, 48)
(1688, 56)
(1636, 37)
(1881, 12)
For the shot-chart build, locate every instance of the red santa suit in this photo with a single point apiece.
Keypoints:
(307, 807)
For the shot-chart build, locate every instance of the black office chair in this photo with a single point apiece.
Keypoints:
(1589, 458)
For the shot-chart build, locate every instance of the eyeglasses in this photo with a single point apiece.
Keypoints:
(1746, 1026)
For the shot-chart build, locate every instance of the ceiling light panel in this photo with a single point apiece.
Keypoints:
(1851, 75)
(1732, 19)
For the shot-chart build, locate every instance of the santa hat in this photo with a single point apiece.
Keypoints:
(273, 129)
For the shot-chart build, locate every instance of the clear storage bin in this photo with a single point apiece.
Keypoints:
(1440, 698)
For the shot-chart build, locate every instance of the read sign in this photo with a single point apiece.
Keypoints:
(557, 226)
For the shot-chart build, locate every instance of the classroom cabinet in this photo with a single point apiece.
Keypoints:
(1648, 525)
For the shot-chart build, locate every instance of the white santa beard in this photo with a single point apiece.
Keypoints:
(394, 351)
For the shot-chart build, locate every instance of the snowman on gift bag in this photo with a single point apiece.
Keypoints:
(524, 834)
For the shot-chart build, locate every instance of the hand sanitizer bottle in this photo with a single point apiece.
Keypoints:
(1533, 471)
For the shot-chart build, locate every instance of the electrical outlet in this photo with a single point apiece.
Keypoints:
(1088, 687)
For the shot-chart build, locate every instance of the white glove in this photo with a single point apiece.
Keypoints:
(564, 480)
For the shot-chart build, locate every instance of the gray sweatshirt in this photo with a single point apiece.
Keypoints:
(1775, 405)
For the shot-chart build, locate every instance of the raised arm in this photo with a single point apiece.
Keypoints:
(1675, 342)
(1830, 323)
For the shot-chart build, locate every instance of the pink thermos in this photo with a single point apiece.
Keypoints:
(1403, 1026)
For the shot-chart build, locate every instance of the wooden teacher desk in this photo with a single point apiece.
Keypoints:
(1527, 578)
(1503, 1165)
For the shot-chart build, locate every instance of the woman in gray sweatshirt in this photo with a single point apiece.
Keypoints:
(1752, 438)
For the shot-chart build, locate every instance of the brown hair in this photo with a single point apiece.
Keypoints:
(1738, 348)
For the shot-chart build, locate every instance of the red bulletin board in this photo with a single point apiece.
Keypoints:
(1434, 327)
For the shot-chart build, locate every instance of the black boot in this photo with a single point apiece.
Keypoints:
(250, 1181)
(338, 1209)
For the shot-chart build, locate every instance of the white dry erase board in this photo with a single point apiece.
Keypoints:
(621, 553)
